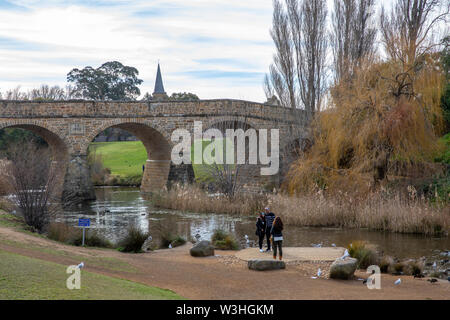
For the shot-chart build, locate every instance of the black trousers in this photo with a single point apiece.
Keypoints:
(268, 239)
(261, 236)
(278, 244)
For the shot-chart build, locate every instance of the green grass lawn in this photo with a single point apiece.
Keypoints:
(28, 278)
(123, 158)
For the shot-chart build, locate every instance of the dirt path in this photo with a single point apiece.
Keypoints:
(221, 277)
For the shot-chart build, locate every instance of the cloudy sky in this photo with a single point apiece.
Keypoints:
(214, 48)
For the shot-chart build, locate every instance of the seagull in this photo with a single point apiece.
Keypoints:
(170, 246)
(398, 281)
(333, 244)
(319, 272)
(317, 245)
(246, 239)
(81, 265)
(346, 254)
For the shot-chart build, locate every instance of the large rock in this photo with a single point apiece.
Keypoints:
(146, 244)
(263, 265)
(343, 268)
(202, 249)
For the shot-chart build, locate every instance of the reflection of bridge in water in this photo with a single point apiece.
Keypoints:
(70, 126)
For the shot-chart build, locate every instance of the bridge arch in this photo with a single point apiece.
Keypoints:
(156, 142)
(58, 147)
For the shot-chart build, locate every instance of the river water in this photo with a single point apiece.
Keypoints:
(118, 207)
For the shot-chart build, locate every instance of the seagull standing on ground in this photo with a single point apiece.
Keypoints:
(398, 281)
(346, 254)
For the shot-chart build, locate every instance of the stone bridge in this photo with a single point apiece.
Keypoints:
(70, 126)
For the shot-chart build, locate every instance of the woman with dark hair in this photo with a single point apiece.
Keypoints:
(277, 237)
(261, 229)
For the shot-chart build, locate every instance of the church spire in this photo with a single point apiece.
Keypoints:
(159, 87)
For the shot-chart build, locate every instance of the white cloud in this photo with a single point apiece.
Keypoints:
(42, 44)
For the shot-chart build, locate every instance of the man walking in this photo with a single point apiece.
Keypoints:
(270, 217)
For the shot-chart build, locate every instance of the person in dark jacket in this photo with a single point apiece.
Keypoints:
(277, 237)
(261, 229)
(270, 217)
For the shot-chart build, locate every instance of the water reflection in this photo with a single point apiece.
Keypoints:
(117, 207)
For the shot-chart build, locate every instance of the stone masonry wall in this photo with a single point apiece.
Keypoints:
(70, 126)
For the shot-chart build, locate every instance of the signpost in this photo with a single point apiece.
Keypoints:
(84, 223)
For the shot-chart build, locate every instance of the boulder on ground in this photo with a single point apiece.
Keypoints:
(202, 249)
(146, 244)
(263, 265)
(343, 268)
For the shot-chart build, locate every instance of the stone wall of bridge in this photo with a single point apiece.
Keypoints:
(70, 126)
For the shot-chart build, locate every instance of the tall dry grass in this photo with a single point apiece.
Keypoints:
(378, 211)
(193, 198)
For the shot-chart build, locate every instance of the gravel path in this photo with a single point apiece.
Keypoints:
(225, 276)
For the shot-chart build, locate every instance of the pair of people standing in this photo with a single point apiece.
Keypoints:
(270, 227)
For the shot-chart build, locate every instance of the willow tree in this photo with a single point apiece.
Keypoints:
(386, 114)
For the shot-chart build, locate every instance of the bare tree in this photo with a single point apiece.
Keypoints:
(15, 94)
(297, 76)
(45, 92)
(226, 177)
(310, 67)
(33, 179)
(406, 30)
(352, 37)
(282, 70)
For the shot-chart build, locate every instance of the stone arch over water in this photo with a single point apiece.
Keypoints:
(157, 145)
(57, 145)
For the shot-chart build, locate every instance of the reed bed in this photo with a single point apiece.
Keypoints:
(377, 211)
(193, 198)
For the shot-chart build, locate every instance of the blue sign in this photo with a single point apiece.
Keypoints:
(84, 222)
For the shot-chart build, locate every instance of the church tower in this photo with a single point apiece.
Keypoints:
(159, 94)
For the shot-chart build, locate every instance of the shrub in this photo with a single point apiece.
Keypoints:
(170, 239)
(412, 268)
(365, 256)
(223, 240)
(386, 264)
(133, 240)
(398, 267)
(62, 232)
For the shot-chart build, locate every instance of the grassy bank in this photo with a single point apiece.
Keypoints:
(28, 278)
(124, 159)
(376, 212)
